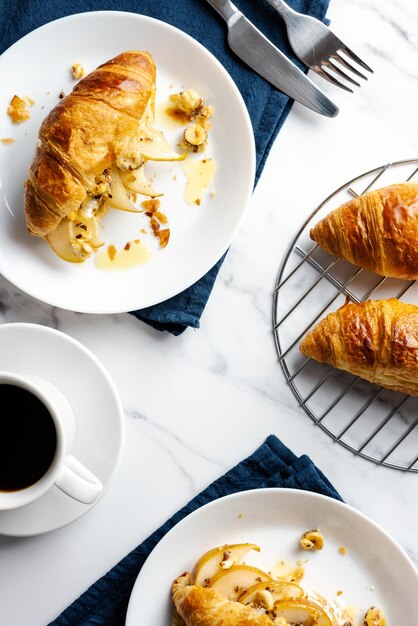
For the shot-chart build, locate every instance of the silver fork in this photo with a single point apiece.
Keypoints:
(317, 46)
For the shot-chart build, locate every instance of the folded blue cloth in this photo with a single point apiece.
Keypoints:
(267, 106)
(271, 465)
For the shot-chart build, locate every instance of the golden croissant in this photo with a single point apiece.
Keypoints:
(200, 606)
(377, 340)
(89, 143)
(377, 231)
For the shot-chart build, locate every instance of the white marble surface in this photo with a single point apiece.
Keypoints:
(196, 404)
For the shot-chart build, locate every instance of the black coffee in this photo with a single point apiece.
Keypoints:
(28, 438)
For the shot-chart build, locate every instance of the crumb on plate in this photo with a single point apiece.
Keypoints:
(7, 140)
(152, 205)
(111, 252)
(312, 540)
(374, 617)
(78, 71)
(342, 550)
(17, 109)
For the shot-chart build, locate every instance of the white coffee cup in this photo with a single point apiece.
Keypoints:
(65, 471)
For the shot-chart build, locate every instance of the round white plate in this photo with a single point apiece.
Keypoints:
(39, 66)
(100, 426)
(375, 570)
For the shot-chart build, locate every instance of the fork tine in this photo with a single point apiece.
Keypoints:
(355, 58)
(323, 72)
(348, 65)
(339, 71)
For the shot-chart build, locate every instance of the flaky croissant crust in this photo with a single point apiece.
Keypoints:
(84, 134)
(377, 340)
(199, 606)
(377, 231)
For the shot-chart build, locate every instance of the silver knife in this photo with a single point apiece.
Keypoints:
(250, 45)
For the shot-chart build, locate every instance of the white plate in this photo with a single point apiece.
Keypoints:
(375, 570)
(39, 64)
(100, 426)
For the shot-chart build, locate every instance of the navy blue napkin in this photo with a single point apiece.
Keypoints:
(267, 106)
(271, 465)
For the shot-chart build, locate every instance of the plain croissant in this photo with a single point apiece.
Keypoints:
(377, 340)
(377, 231)
(199, 606)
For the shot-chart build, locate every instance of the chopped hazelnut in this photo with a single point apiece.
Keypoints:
(17, 109)
(164, 236)
(161, 217)
(312, 540)
(189, 101)
(195, 138)
(154, 225)
(227, 561)
(78, 71)
(374, 617)
(152, 205)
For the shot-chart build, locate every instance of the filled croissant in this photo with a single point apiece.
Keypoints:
(224, 591)
(199, 606)
(377, 340)
(91, 154)
(377, 231)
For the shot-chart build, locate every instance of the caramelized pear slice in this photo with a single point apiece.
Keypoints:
(75, 240)
(119, 197)
(234, 581)
(85, 230)
(136, 180)
(218, 559)
(279, 591)
(153, 146)
(60, 241)
(302, 612)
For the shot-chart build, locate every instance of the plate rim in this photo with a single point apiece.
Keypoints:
(130, 617)
(250, 140)
(120, 415)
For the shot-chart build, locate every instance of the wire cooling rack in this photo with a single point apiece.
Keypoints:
(374, 423)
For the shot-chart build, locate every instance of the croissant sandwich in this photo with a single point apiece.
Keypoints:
(377, 340)
(377, 231)
(91, 154)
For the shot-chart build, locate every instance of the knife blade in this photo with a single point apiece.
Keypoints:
(252, 47)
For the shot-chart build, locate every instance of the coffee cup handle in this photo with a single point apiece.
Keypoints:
(78, 482)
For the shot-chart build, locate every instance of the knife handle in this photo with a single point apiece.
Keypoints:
(225, 8)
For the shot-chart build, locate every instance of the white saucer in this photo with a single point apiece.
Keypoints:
(31, 348)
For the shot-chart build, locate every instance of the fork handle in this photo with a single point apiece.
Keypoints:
(284, 9)
(225, 8)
